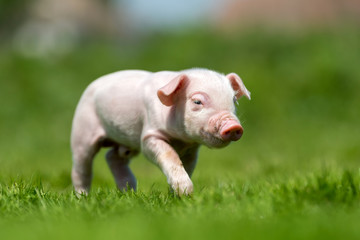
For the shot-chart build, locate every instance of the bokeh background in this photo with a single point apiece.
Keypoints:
(300, 59)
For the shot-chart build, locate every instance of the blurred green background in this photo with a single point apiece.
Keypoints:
(294, 173)
(303, 74)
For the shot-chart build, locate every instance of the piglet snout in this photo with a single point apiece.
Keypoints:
(231, 131)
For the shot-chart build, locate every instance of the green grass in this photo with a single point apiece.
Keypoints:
(294, 175)
(320, 205)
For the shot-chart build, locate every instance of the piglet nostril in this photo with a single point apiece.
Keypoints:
(231, 131)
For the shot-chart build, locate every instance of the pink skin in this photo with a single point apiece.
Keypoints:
(227, 125)
(231, 131)
(165, 115)
(223, 123)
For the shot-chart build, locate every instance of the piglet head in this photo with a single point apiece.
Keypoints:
(203, 104)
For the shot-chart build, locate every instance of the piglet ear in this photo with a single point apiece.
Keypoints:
(167, 94)
(238, 86)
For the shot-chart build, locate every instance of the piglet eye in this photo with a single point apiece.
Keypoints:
(197, 102)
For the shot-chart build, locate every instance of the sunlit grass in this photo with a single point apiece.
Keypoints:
(220, 208)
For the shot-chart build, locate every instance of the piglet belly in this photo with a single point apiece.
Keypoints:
(125, 133)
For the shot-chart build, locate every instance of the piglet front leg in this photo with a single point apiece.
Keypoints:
(164, 156)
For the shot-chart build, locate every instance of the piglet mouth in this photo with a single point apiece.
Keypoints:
(212, 140)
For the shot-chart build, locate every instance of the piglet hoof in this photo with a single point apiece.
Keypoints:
(81, 192)
(127, 182)
(127, 186)
(182, 186)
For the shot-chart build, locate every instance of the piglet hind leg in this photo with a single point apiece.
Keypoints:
(86, 140)
(83, 155)
(118, 159)
(164, 156)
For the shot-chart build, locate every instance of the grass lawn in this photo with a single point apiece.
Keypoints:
(294, 175)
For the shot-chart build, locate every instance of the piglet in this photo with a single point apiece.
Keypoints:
(165, 115)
